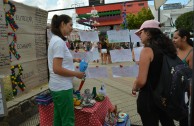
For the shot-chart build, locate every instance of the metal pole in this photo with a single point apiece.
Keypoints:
(159, 14)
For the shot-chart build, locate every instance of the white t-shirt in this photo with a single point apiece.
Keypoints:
(57, 48)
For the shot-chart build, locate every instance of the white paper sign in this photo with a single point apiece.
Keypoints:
(115, 36)
(137, 52)
(122, 55)
(97, 72)
(134, 37)
(89, 36)
(87, 56)
(95, 53)
(125, 71)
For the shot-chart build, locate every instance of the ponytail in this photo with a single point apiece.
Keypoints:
(56, 22)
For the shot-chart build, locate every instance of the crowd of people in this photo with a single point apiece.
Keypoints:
(155, 42)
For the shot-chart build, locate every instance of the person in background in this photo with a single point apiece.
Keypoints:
(184, 45)
(88, 46)
(61, 69)
(72, 46)
(104, 51)
(109, 47)
(150, 64)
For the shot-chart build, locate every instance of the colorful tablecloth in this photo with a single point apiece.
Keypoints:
(93, 116)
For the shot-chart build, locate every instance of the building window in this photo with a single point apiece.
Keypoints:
(141, 4)
(129, 5)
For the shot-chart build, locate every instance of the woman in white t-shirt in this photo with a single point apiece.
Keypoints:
(61, 68)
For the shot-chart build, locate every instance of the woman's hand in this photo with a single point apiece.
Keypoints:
(80, 75)
(78, 60)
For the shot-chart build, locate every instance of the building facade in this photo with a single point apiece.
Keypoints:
(169, 15)
(108, 16)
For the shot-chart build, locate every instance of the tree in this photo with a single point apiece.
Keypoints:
(185, 21)
(135, 21)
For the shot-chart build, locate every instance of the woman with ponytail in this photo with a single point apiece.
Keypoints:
(61, 69)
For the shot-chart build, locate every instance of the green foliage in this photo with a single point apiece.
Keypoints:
(135, 21)
(185, 21)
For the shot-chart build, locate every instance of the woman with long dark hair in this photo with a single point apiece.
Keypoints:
(155, 45)
(61, 68)
(184, 45)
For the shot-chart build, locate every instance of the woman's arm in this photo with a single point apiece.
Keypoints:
(58, 69)
(146, 57)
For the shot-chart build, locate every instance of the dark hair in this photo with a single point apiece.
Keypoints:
(182, 33)
(56, 22)
(158, 40)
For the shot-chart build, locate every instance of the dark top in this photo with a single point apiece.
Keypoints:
(145, 103)
(154, 69)
(104, 45)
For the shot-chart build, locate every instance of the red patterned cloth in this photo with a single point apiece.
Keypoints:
(46, 113)
(93, 116)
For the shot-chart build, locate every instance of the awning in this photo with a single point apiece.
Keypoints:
(158, 3)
